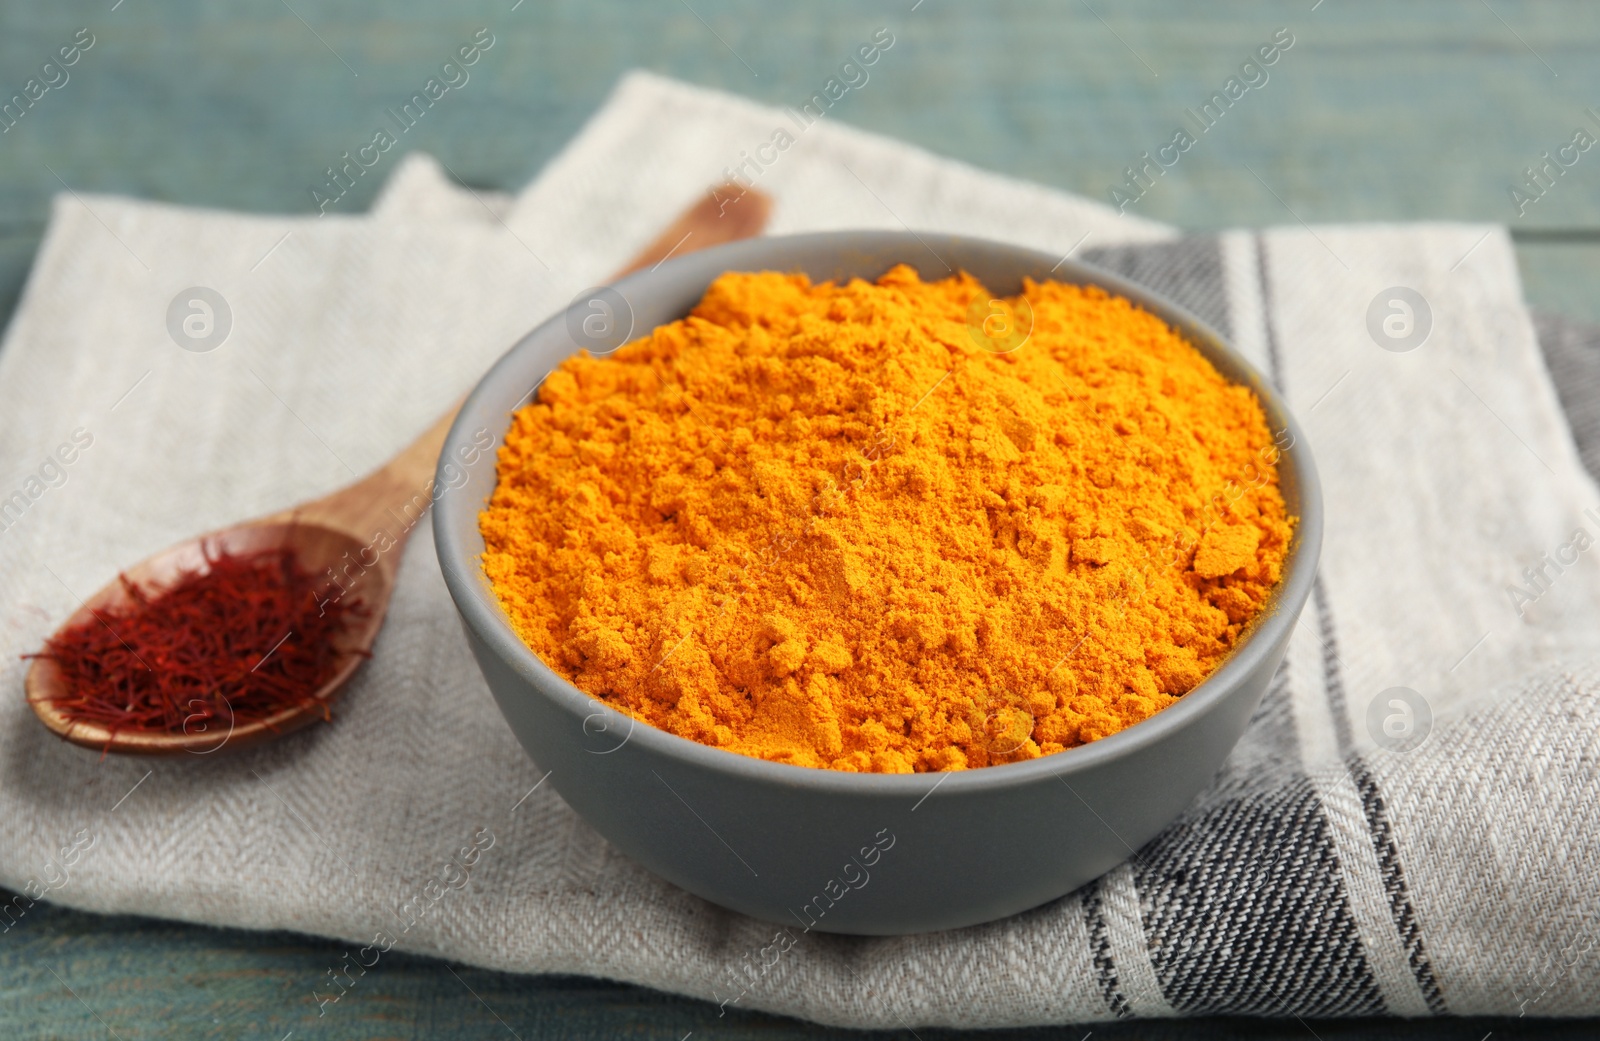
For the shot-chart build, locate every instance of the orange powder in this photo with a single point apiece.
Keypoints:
(823, 525)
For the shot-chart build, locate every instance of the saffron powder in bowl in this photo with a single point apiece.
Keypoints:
(848, 526)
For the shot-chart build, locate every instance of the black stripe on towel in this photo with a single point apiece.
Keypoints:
(1187, 271)
(1105, 968)
(1401, 909)
(1245, 911)
(1394, 884)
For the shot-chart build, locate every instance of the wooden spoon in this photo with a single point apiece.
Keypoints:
(338, 531)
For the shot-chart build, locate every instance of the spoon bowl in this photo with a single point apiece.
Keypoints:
(318, 547)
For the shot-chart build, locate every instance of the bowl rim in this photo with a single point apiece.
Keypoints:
(480, 609)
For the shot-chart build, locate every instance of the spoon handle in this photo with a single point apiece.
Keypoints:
(394, 497)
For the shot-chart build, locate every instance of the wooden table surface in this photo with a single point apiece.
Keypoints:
(1378, 112)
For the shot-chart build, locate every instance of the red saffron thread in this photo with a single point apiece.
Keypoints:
(235, 643)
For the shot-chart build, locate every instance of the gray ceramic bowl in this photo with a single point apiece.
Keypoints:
(840, 852)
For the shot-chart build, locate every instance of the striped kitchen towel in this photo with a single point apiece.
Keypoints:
(1407, 828)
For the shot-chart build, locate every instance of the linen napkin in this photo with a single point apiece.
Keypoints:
(1405, 829)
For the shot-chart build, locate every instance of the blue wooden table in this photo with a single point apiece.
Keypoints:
(1429, 110)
